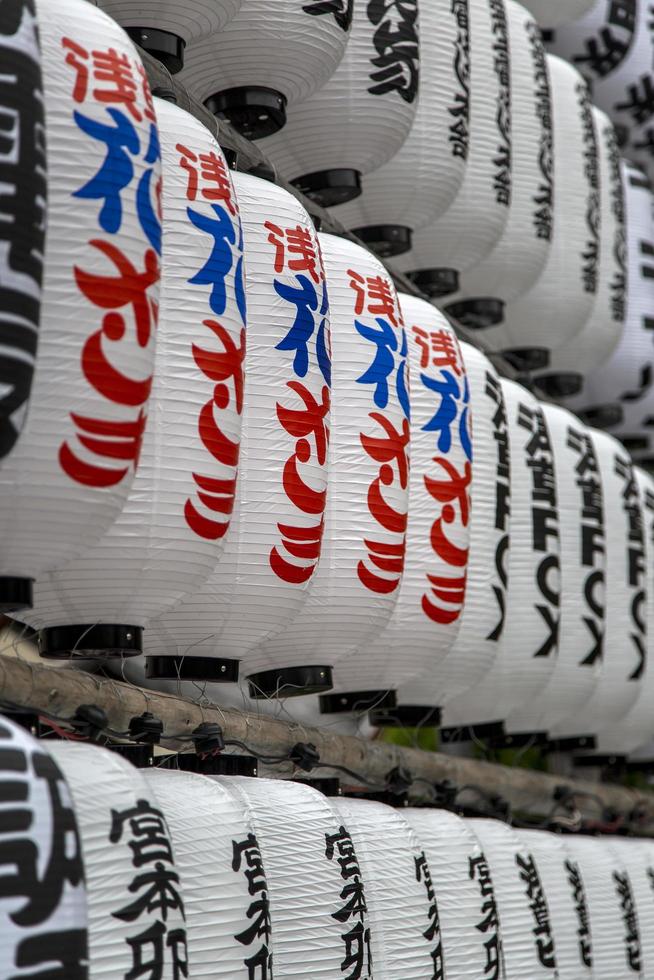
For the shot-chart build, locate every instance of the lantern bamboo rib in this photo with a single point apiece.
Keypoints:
(58, 693)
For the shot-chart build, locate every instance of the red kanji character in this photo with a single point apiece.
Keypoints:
(448, 590)
(393, 447)
(453, 488)
(302, 248)
(303, 543)
(301, 423)
(112, 439)
(214, 171)
(376, 294)
(358, 284)
(221, 366)
(441, 345)
(186, 158)
(387, 558)
(117, 72)
(75, 53)
(146, 92)
(218, 496)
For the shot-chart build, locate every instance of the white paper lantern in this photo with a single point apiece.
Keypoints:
(615, 939)
(43, 919)
(362, 116)
(135, 897)
(467, 910)
(636, 859)
(549, 13)
(579, 495)
(520, 254)
(422, 179)
(567, 904)
(268, 58)
(272, 546)
(357, 580)
(165, 27)
(314, 877)
(468, 230)
(170, 533)
(405, 936)
(625, 637)
(524, 908)
(69, 474)
(22, 228)
(226, 897)
(484, 613)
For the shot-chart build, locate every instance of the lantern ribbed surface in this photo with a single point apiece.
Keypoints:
(467, 909)
(625, 636)
(549, 13)
(473, 223)
(566, 901)
(133, 884)
(636, 859)
(483, 619)
(520, 254)
(283, 49)
(225, 888)
(70, 472)
(612, 938)
(273, 543)
(190, 20)
(362, 116)
(430, 600)
(43, 915)
(170, 533)
(601, 333)
(523, 906)
(356, 584)
(405, 938)
(309, 859)
(422, 179)
(22, 229)
(582, 533)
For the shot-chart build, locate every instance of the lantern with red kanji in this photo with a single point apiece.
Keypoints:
(171, 531)
(358, 574)
(69, 473)
(362, 116)
(273, 545)
(270, 57)
(165, 27)
(465, 233)
(422, 179)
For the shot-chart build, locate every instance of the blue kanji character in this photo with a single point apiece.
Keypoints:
(464, 422)
(239, 277)
(218, 266)
(401, 379)
(117, 170)
(322, 351)
(147, 215)
(383, 364)
(305, 301)
(448, 409)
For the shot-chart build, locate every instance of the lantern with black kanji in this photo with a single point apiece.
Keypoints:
(165, 27)
(637, 860)
(171, 531)
(68, 475)
(267, 59)
(362, 116)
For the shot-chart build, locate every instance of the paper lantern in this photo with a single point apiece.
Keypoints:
(273, 543)
(226, 897)
(566, 900)
(268, 58)
(552, 12)
(625, 625)
(313, 871)
(473, 223)
(564, 375)
(524, 908)
(420, 182)
(483, 618)
(582, 543)
(43, 920)
(635, 856)
(405, 937)
(135, 897)
(69, 473)
(170, 533)
(362, 116)
(616, 939)
(356, 583)
(165, 27)
(22, 230)
(520, 254)
(467, 910)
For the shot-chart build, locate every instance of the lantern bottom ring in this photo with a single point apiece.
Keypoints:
(603, 416)
(386, 241)
(634, 443)
(360, 701)
(605, 761)
(571, 744)
(15, 593)
(471, 733)
(290, 682)
(330, 187)
(564, 384)
(166, 47)
(254, 111)
(220, 764)
(406, 716)
(435, 282)
(519, 740)
(183, 668)
(477, 314)
(90, 640)
(526, 359)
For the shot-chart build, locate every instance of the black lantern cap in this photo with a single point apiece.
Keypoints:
(571, 744)
(330, 187)
(290, 682)
(218, 764)
(519, 740)
(526, 359)
(477, 314)
(634, 443)
(563, 384)
(331, 704)
(435, 282)
(96, 641)
(15, 593)
(254, 112)
(214, 669)
(166, 47)
(406, 716)
(386, 241)
(603, 416)
(471, 733)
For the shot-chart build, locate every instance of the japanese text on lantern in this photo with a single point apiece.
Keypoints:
(382, 327)
(247, 859)
(299, 281)
(115, 110)
(213, 211)
(489, 924)
(443, 378)
(353, 915)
